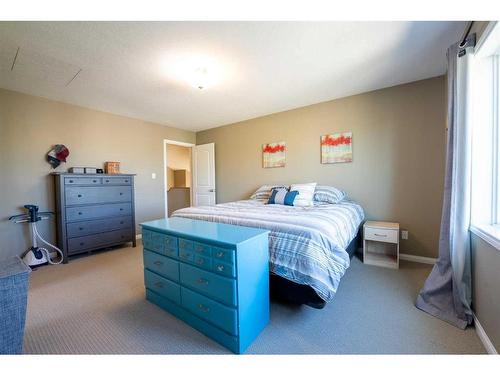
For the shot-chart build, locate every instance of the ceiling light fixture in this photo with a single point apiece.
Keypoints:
(201, 78)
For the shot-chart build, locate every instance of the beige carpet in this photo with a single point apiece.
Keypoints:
(95, 304)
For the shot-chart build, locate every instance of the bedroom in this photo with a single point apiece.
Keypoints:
(313, 188)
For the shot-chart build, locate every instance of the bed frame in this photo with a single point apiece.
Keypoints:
(287, 291)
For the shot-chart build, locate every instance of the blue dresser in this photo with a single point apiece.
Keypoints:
(213, 276)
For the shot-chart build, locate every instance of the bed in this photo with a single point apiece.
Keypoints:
(307, 245)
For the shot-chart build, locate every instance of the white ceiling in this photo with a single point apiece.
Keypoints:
(131, 68)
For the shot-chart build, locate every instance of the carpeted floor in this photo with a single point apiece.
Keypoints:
(95, 304)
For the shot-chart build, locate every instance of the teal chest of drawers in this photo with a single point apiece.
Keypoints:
(213, 276)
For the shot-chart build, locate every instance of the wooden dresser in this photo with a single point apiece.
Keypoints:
(213, 276)
(94, 211)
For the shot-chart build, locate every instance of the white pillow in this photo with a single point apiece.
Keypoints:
(306, 194)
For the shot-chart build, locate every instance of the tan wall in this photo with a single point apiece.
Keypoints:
(29, 126)
(178, 157)
(398, 150)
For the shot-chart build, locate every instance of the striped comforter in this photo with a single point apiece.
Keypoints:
(306, 244)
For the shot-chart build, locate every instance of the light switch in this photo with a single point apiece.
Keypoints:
(404, 234)
(153, 176)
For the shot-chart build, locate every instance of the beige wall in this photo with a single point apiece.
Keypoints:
(485, 283)
(29, 126)
(398, 151)
(178, 157)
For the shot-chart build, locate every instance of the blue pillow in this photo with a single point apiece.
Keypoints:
(282, 196)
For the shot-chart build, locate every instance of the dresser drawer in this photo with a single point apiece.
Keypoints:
(202, 249)
(203, 262)
(186, 244)
(162, 286)
(162, 265)
(83, 228)
(214, 312)
(223, 269)
(98, 240)
(225, 255)
(94, 194)
(220, 288)
(186, 255)
(82, 180)
(117, 180)
(96, 212)
(382, 235)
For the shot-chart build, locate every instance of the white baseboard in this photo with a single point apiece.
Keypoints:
(417, 259)
(488, 345)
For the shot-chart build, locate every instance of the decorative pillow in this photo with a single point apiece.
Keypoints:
(282, 196)
(264, 192)
(306, 193)
(328, 194)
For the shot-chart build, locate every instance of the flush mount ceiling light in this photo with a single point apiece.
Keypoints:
(201, 72)
(201, 78)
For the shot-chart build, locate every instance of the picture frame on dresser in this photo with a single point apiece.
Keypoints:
(93, 211)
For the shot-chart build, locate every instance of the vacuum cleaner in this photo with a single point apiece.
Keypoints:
(36, 256)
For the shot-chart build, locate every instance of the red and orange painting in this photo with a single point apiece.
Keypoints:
(273, 155)
(336, 148)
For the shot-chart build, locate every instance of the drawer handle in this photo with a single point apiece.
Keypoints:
(380, 235)
(220, 254)
(204, 308)
(121, 222)
(79, 195)
(202, 281)
(121, 209)
(70, 181)
(121, 193)
(184, 255)
(159, 284)
(80, 228)
(200, 261)
(107, 180)
(94, 181)
(126, 180)
(158, 263)
(82, 243)
(79, 213)
(220, 268)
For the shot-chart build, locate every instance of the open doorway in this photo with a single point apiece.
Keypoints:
(178, 175)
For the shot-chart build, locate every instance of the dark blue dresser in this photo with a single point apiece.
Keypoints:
(94, 211)
(213, 276)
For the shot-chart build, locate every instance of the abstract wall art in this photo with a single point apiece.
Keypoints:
(273, 155)
(336, 148)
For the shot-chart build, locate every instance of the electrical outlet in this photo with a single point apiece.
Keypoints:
(404, 234)
(153, 176)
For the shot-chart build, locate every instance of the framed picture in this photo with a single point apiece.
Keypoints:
(273, 155)
(336, 148)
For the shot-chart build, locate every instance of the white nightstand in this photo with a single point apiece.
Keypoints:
(381, 244)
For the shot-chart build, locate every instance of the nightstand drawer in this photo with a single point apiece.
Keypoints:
(382, 235)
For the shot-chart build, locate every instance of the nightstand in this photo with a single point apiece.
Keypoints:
(381, 244)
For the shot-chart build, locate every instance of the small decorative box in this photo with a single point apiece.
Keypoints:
(112, 167)
(90, 170)
(76, 170)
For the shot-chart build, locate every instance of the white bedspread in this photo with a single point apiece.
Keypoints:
(306, 244)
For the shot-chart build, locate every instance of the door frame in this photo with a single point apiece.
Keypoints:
(165, 182)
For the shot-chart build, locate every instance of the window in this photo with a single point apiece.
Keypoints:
(485, 109)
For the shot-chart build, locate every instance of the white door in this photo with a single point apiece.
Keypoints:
(204, 175)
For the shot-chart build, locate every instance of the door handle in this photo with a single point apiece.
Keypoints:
(212, 190)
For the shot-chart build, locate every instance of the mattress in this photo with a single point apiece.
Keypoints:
(307, 245)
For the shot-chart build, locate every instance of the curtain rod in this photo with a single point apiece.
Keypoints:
(463, 40)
